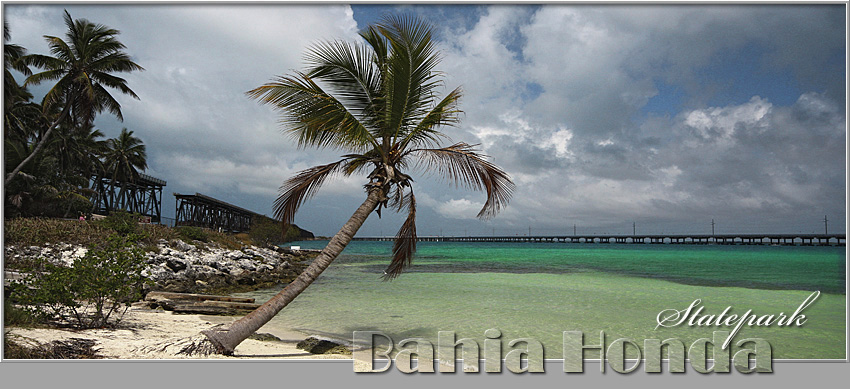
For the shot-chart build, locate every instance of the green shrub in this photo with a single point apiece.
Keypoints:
(98, 287)
(21, 316)
(122, 222)
(75, 204)
(193, 233)
(265, 231)
(292, 234)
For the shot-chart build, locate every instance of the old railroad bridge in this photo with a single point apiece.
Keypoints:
(725, 239)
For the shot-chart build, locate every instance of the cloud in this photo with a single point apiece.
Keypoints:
(557, 95)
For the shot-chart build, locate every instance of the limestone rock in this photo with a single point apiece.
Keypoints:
(315, 345)
(177, 266)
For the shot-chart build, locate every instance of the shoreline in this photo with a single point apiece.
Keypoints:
(144, 329)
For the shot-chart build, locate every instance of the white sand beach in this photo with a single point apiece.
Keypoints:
(142, 332)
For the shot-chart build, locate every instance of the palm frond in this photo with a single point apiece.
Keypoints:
(409, 77)
(425, 134)
(114, 82)
(379, 45)
(312, 115)
(115, 62)
(356, 162)
(300, 187)
(350, 73)
(461, 164)
(404, 245)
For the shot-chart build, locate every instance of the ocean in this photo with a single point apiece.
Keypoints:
(540, 290)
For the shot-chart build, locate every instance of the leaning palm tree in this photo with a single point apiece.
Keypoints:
(83, 67)
(376, 102)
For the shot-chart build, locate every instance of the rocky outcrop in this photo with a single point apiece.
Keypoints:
(315, 345)
(178, 266)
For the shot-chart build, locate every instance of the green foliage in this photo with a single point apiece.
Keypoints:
(92, 291)
(20, 316)
(122, 222)
(52, 148)
(265, 231)
(40, 231)
(76, 204)
(292, 234)
(193, 233)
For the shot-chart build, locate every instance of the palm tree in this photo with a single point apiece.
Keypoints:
(82, 66)
(377, 103)
(125, 155)
(19, 113)
(78, 151)
(12, 54)
(123, 158)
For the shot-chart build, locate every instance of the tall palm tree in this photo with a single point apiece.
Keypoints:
(125, 155)
(376, 102)
(12, 54)
(83, 67)
(19, 113)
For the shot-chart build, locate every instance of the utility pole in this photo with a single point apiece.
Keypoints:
(825, 229)
(712, 227)
(634, 229)
(574, 230)
(529, 231)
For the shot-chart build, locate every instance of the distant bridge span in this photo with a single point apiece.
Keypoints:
(725, 239)
(204, 211)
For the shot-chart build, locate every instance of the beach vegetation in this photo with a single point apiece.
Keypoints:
(94, 292)
(41, 231)
(266, 231)
(121, 222)
(376, 101)
(194, 233)
(17, 316)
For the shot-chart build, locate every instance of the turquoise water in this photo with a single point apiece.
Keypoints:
(539, 290)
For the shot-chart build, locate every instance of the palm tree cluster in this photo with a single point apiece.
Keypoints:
(52, 149)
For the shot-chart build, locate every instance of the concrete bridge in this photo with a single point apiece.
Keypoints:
(725, 239)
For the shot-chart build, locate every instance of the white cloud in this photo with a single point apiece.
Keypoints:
(722, 122)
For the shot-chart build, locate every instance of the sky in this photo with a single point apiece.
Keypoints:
(609, 118)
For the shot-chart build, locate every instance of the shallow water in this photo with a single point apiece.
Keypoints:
(540, 290)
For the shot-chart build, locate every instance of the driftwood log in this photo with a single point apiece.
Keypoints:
(200, 304)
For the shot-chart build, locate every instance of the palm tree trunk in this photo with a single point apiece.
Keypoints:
(40, 144)
(226, 340)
